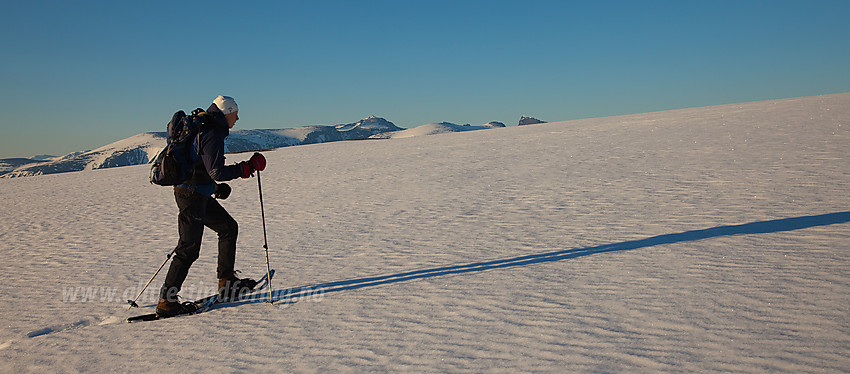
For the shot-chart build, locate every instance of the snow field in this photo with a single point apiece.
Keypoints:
(706, 239)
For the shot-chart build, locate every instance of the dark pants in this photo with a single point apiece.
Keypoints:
(197, 211)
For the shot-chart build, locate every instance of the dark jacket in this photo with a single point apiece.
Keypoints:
(209, 155)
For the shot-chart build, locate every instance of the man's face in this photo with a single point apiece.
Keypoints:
(232, 118)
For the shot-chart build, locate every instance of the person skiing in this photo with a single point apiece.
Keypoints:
(197, 201)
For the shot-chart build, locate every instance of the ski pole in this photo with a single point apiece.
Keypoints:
(133, 302)
(265, 240)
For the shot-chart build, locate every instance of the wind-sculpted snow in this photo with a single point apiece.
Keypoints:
(709, 239)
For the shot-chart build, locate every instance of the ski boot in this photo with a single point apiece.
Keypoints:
(233, 287)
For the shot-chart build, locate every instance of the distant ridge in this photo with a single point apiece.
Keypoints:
(140, 149)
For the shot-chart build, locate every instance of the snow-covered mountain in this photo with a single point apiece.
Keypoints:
(251, 140)
(9, 164)
(529, 121)
(135, 150)
(366, 127)
(142, 148)
(434, 129)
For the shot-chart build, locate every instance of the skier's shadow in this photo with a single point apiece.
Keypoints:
(293, 295)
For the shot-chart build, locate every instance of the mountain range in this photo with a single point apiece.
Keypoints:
(142, 148)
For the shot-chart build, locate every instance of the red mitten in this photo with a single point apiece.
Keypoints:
(258, 162)
(246, 169)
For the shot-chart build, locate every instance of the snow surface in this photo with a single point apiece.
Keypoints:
(707, 239)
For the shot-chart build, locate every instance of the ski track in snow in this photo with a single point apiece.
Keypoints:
(706, 239)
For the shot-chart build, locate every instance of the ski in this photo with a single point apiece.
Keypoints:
(207, 303)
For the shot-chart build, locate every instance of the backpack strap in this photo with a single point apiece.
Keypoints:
(198, 166)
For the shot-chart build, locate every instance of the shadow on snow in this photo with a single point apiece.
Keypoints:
(293, 295)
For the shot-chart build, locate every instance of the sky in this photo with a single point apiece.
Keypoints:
(79, 75)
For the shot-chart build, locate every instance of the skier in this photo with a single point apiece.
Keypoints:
(196, 200)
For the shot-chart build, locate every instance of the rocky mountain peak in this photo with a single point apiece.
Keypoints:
(529, 121)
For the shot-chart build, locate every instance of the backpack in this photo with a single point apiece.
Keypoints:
(173, 165)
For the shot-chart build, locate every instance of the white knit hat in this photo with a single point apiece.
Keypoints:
(226, 104)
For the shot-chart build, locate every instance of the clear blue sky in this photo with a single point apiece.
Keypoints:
(80, 74)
